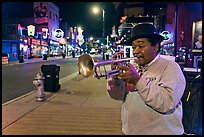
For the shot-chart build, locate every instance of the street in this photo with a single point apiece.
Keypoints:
(17, 80)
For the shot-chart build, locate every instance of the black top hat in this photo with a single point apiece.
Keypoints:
(144, 30)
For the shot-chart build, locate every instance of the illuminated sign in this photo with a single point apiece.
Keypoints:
(80, 39)
(54, 43)
(44, 33)
(20, 32)
(58, 34)
(166, 35)
(80, 31)
(31, 30)
(39, 42)
(80, 36)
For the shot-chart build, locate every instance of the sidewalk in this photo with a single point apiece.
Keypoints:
(15, 62)
(81, 107)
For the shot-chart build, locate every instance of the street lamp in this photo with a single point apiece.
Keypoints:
(96, 10)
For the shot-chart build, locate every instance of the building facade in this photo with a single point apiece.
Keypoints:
(47, 18)
(33, 35)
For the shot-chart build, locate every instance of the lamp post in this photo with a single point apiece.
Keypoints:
(103, 34)
(96, 10)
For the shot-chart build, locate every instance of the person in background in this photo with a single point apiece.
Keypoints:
(151, 90)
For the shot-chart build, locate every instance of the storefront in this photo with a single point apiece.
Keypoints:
(11, 48)
(55, 49)
(39, 47)
(24, 47)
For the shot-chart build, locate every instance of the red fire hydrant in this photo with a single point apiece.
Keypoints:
(39, 83)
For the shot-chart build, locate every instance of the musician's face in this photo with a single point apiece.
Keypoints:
(144, 51)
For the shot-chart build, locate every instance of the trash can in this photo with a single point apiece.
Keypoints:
(44, 56)
(21, 60)
(51, 75)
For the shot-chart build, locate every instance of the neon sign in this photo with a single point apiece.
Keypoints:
(44, 33)
(166, 35)
(31, 30)
(53, 42)
(58, 34)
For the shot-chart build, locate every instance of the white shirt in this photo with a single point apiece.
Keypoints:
(156, 107)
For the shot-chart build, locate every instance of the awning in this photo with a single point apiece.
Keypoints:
(12, 41)
(62, 41)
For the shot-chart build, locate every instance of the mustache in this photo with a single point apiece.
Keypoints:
(138, 56)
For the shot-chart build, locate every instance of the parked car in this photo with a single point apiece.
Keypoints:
(93, 51)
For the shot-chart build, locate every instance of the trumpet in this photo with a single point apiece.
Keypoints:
(87, 66)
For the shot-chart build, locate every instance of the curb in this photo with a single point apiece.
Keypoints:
(61, 81)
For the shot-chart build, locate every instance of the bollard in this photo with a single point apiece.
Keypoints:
(39, 83)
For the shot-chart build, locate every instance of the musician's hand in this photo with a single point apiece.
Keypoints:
(128, 73)
(130, 87)
(114, 66)
(116, 56)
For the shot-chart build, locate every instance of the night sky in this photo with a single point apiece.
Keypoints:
(80, 14)
(74, 13)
